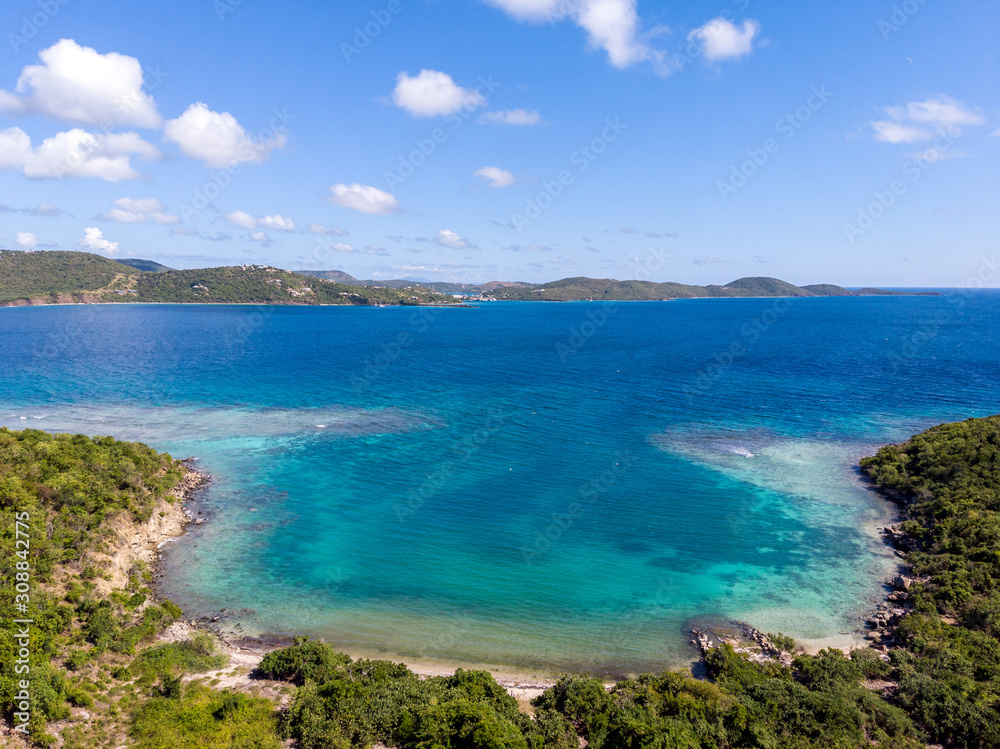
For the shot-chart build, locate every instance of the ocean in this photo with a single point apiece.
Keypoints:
(534, 487)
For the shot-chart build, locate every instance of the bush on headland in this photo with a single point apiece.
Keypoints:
(939, 682)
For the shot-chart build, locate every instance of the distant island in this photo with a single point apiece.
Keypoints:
(62, 277)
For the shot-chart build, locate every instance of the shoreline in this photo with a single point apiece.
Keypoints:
(246, 651)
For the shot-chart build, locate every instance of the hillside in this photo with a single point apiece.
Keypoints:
(146, 265)
(946, 665)
(67, 277)
(32, 274)
(581, 288)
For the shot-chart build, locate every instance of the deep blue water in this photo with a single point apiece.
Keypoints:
(552, 486)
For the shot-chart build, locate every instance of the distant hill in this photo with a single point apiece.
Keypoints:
(828, 289)
(331, 275)
(146, 265)
(67, 277)
(57, 277)
(442, 287)
(582, 288)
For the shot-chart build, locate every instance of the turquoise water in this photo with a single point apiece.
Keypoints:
(550, 487)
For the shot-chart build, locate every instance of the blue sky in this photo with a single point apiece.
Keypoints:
(854, 143)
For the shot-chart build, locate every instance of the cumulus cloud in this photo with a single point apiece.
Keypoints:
(896, 132)
(93, 240)
(27, 240)
(45, 209)
(332, 231)
(74, 153)
(723, 40)
(518, 117)
(448, 238)
(364, 199)
(374, 249)
(432, 93)
(920, 120)
(260, 236)
(495, 176)
(241, 220)
(278, 223)
(79, 85)
(611, 25)
(138, 211)
(217, 139)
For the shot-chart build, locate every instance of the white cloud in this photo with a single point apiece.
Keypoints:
(920, 120)
(532, 10)
(217, 138)
(260, 236)
(93, 240)
(495, 176)
(138, 211)
(327, 230)
(434, 94)
(364, 199)
(46, 209)
(78, 84)
(448, 238)
(942, 113)
(279, 223)
(341, 247)
(27, 240)
(612, 25)
(374, 249)
(520, 117)
(74, 153)
(722, 40)
(895, 132)
(241, 220)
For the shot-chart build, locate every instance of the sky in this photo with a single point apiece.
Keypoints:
(855, 143)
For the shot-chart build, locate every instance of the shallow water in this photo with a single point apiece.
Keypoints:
(556, 487)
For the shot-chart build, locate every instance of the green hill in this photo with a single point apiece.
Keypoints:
(34, 274)
(64, 277)
(146, 265)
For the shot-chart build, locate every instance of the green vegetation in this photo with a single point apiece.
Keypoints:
(25, 275)
(144, 265)
(53, 277)
(197, 717)
(64, 490)
(947, 481)
(577, 289)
